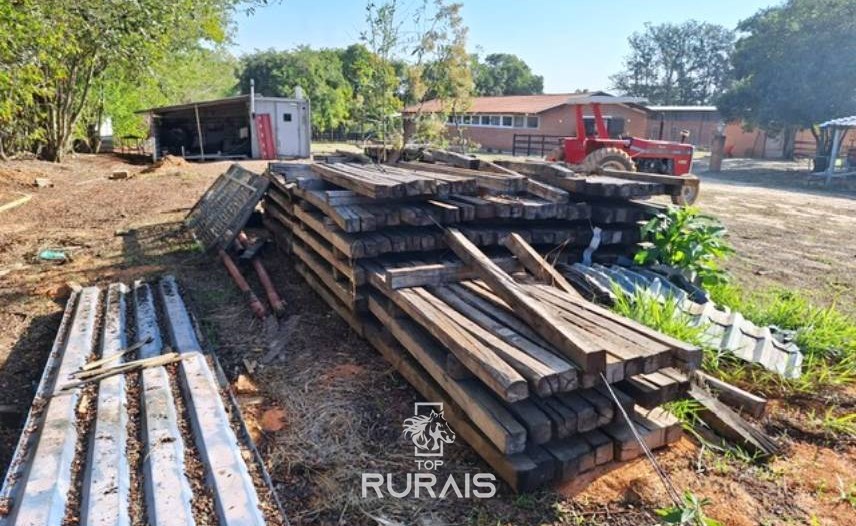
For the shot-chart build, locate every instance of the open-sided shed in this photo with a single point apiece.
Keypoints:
(228, 128)
(838, 129)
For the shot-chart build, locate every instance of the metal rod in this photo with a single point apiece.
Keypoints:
(255, 305)
(199, 132)
(275, 301)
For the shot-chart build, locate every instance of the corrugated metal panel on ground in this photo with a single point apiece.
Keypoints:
(728, 331)
(72, 463)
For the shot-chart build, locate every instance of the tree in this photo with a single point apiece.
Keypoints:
(684, 63)
(198, 73)
(505, 74)
(318, 72)
(69, 47)
(380, 82)
(442, 71)
(794, 67)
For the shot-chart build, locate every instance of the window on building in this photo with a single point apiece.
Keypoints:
(532, 122)
(495, 120)
(519, 121)
(485, 120)
(286, 117)
(506, 120)
(467, 119)
(450, 119)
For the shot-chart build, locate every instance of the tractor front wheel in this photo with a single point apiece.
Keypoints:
(609, 158)
(687, 196)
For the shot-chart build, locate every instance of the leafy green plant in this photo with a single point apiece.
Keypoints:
(682, 238)
(690, 512)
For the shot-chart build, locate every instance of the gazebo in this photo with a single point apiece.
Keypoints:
(839, 128)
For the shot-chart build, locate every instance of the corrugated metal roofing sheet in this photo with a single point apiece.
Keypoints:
(844, 122)
(726, 330)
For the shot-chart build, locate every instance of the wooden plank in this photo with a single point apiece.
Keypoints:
(353, 299)
(563, 421)
(496, 422)
(565, 372)
(545, 323)
(668, 180)
(587, 415)
(455, 369)
(363, 185)
(353, 271)
(482, 361)
(730, 425)
(437, 273)
(542, 377)
(574, 456)
(538, 266)
(537, 423)
(657, 349)
(519, 470)
(605, 407)
(733, 395)
(602, 446)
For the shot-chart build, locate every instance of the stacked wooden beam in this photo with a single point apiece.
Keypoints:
(538, 380)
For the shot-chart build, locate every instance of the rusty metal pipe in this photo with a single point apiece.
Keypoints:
(275, 301)
(255, 305)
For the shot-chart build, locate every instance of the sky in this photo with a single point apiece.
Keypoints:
(574, 44)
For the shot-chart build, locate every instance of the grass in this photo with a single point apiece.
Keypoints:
(664, 316)
(835, 424)
(825, 335)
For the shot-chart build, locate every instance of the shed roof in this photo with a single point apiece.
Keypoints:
(528, 104)
(213, 102)
(841, 122)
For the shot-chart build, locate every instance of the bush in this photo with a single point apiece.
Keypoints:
(682, 238)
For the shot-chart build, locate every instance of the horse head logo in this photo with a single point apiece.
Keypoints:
(429, 432)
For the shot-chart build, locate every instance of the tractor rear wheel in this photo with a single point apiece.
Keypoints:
(609, 158)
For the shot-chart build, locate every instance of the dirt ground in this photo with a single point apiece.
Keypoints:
(337, 406)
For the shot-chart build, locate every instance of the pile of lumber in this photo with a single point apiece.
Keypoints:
(439, 267)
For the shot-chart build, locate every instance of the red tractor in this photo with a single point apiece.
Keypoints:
(599, 152)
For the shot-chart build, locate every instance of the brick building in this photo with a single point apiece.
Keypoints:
(533, 124)
(668, 122)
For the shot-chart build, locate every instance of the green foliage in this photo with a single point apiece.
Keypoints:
(441, 71)
(664, 316)
(690, 512)
(684, 239)
(789, 65)
(318, 72)
(189, 75)
(685, 63)
(63, 50)
(825, 335)
(686, 410)
(376, 97)
(505, 74)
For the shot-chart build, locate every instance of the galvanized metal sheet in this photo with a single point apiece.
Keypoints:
(725, 330)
